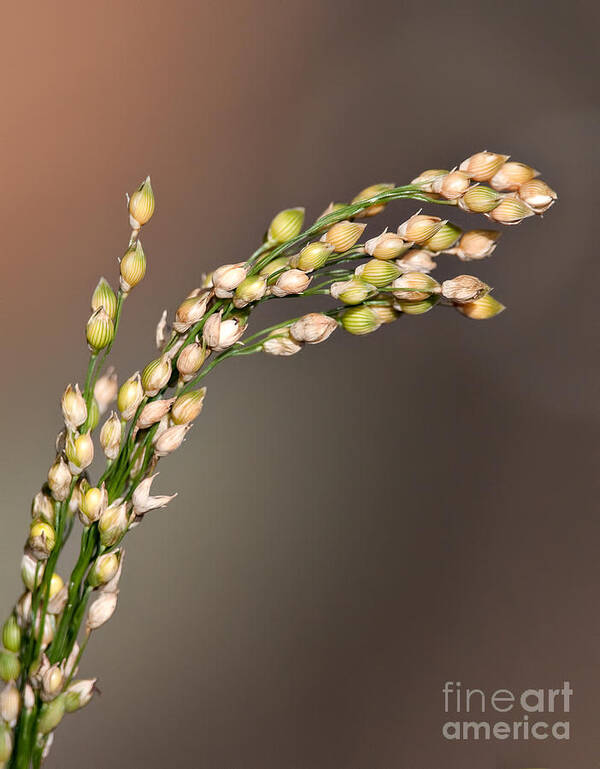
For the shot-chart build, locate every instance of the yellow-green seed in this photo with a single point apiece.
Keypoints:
(133, 266)
(10, 665)
(277, 264)
(104, 296)
(380, 273)
(11, 634)
(444, 238)
(480, 199)
(99, 331)
(481, 309)
(6, 743)
(141, 203)
(418, 308)
(312, 257)
(286, 225)
(360, 320)
(188, 406)
(51, 715)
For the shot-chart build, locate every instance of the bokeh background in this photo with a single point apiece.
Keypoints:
(362, 522)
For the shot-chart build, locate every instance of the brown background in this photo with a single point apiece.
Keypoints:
(373, 517)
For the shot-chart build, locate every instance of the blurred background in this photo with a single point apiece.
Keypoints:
(362, 522)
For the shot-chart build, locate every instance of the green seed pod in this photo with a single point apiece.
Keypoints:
(251, 289)
(156, 375)
(417, 308)
(360, 320)
(141, 204)
(188, 406)
(414, 286)
(480, 199)
(99, 331)
(444, 238)
(275, 265)
(312, 257)
(133, 267)
(286, 225)
(11, 634)
(370, 192)
(425, 179)
(104, 569)
(80, 451)
(420, 227)
(6, 742)
(79, 694)
(481, 309)
(378, 272)
(113, 524)
(51, 714)
(105, 297)
(10, 666)
(354, 291)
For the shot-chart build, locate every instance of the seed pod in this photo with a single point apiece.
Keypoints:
(511, 176)
(378, 273)
(105, 297)
(43, 508)
(463, 288)
(57, 602)
(78, 694)
(191, 310)
(59, 479)
(130, 396)
(279, 342)
(93, 503)
(156, 375)
(275, 266)
(291, 282)
(480, 199)
(101, 611)
(105, 390)
(141, 204)
(51, 714)
(417, 308)
(133, 267)
(143, 502)
(113, 523)
(6, 743)
(360, 320)
(153, 412)
(73, 407)
(384, 312)
(11, 634)
(312, 257)
(537, 195)
(104, 569)
(41, 540)
(170, 440)
(426, 179)
(367, 194)
(191, 358)
(10, 666)
(29, 568)
(250, 290)
(414, 286)
(420, 228)
(99, 331)
(343, 235)
(110, 436)
(10, 704)
(56, 585)
(52, 683)
(23, 609)
(286, 225)
(187, 407)
(445, 237)
(79, 451)
(451, 186)
(227, 278)
(475, 244)
(313, 328)
(481, 309)
(483, 165)
(512, 210)
(388, 245)
(417, 260)
(354, 291)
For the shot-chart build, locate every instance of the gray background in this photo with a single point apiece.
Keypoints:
(362, 522)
